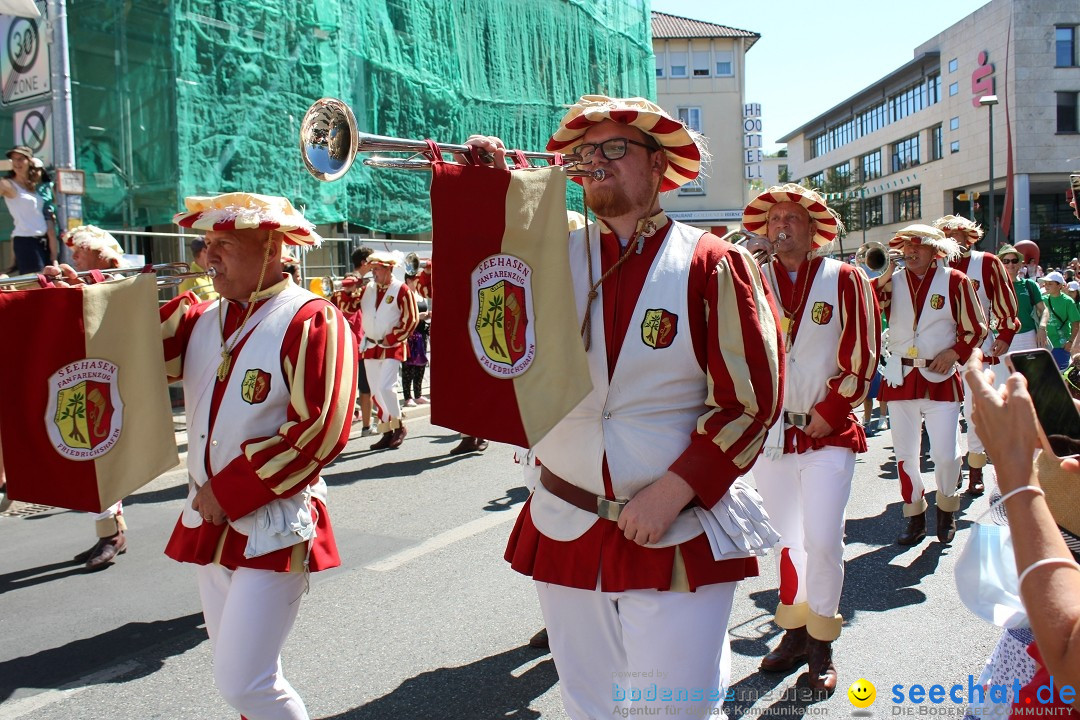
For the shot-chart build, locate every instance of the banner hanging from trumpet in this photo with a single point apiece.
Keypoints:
(86, 419)
(512, 360)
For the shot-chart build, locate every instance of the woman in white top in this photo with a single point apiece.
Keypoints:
(35, 247)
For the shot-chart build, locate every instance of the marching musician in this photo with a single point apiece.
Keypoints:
(935, 321)
(684, 353)
(832, 326)
(269, 378)
(389, 314)
(998, 302)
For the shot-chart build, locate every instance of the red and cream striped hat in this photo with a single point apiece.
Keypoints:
(919, 234)
(678, 142)
(248, 211)
(956, 222)
(827, 225)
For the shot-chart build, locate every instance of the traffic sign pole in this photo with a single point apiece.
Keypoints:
(63, 127)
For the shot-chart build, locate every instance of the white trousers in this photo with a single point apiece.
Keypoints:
(943, 426)
(805, 495)
(249, 614)
(382, 376)
(676, 642)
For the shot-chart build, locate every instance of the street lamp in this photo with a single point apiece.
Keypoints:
(990, 101)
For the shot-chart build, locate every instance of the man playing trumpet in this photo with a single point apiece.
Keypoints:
(832, 328)
(935, 322)
(998, 302)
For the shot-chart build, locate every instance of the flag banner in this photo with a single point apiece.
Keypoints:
(511, 363)
(85, 419)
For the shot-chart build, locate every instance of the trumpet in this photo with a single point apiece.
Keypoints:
(876, 259)
(169, 275)
(759, 245)
(330, 142)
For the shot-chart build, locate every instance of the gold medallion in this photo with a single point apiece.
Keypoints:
(913, 352)
(785, 325)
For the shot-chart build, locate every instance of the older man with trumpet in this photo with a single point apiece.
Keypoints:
(935, 322)
(998, 302)
(832, 328)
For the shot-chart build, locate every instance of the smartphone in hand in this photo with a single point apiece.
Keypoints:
(1058, 418)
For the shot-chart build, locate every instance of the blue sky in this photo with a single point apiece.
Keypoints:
(812, 56)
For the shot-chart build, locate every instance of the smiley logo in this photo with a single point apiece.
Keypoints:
(862, 693)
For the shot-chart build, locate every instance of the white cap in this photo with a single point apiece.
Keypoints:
(1073, 285)
(1055, 277)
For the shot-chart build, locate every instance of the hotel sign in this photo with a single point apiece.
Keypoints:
(752, 153)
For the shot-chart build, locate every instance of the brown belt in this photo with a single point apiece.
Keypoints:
(799, 420)
(579, 497)
(915, 362)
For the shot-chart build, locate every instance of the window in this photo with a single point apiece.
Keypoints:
(935, 143)
(1065, 46)
(694, 187)
(661, 59)
(871, 166)
(954, 123)
(908, 205)
(869, 208)
(954, 146)
(905, 154)
(952, 65)
(678, 64)
(1067, 121)
(701, 63)
(814, 182)
(690, 117)
(725, 64)
(953, 88)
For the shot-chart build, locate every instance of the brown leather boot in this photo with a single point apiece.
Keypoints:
(104, 552)
(975, 486)
(946, 526)
(539, 640)
(397, 437)
(915, 531)
(469, 444)
(383, 442)
(789, 654)
(821, 671)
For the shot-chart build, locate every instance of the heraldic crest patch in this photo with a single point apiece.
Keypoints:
(84, 416)
(501, 324)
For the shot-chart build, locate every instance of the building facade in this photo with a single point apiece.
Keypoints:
(916, 145)
(700, 79)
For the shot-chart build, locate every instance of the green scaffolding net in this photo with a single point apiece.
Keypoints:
(202, 96)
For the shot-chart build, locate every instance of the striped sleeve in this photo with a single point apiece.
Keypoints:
(1003, 305)
(970, 322)
(177, 317)
(744, 371)
(859, 348)
(410, 316)
(882, 286)
(319, 363)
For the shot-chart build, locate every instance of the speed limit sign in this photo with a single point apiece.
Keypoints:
(24, 58)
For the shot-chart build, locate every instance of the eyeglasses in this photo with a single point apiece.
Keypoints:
(611, 149)
(1011, 261)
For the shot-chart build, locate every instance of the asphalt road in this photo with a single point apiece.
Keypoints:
(425, 620)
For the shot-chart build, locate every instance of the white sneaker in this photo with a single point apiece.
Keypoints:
(369, 431)
(410, 403)
(422, 400)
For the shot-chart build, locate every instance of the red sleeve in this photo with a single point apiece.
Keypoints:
(970, 324)
(1003, 304)
(319, 363)
(744, 362)
(178, 317)
(410, 316)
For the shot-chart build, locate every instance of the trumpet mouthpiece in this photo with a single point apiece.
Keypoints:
(781, 237)
(599, 174)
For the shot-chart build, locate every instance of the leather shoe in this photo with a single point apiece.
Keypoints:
(946, 526)
(975, 486)
(469, 444)
(790, 653)
(103, 552)
(915, 532)
(820, 671)
(384, 441)
(539, 640)
(397, 437)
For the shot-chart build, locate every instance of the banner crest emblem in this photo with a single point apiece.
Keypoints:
(501, 323)
(256, 386)
(659, 328)
(84, 415)
(937, 301)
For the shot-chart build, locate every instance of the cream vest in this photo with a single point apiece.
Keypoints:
(936, 329)
(643, 418)
(812, 359)
(379, 321)
(254, 403)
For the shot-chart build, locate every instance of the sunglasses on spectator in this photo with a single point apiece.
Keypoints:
(612, 149)
(1011, 261)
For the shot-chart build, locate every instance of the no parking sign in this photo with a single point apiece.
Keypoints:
(33, 128)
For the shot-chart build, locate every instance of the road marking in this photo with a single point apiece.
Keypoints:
(18, 708)
(441, 540)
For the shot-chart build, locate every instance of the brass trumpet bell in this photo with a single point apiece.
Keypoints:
(875, 258)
